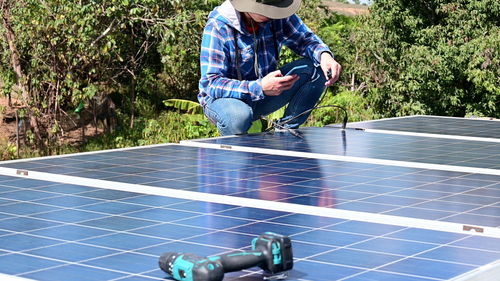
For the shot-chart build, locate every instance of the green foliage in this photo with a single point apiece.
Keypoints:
(7, 80)
(429, 57)
(73, 52)
(168, 127)
(179, 49)
(8, 150)
(317, 17)
(187, 106)
(357, 107)
(407, 57)
(174, 127)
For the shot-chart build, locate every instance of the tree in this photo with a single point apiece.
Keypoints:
(15, 60)
(430, 57)
(65, 54)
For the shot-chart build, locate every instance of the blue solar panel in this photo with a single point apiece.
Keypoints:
(358, 143)
(97, 241)
(109, 215)
(435, 125)
(410, 192)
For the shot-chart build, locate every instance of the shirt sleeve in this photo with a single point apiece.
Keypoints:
(217, 66)
(300, 39)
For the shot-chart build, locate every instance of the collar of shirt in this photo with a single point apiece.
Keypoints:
(251, 26)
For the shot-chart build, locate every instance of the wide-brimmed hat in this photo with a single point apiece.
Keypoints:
(273, 9)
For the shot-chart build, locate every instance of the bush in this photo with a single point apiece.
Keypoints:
(429, 57)
(356, 106)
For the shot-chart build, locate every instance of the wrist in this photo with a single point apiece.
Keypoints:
(326, 55)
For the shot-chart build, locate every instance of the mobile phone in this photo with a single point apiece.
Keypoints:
(297, 70)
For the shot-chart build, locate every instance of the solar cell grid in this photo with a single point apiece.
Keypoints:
(417, 193)
(356, 143)
(99, 220)
(128, 244)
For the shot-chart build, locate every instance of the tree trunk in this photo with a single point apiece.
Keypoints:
(11, 40)
(10, 36)
(353, 80)
(353, 76)
(132, 99)
(17, 135)
(132, 71)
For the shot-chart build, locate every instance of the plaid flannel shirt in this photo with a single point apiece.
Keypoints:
(219, 77)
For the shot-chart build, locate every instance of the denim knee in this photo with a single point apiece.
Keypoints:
(238, 122)
(231, 116)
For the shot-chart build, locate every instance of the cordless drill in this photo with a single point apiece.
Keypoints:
(270, 251)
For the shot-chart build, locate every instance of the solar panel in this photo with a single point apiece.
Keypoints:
(472, 127)
(391, 190)
(355, 204)
(328, 142)
(117, 235)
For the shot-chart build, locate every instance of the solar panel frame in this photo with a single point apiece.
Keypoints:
(439, 125)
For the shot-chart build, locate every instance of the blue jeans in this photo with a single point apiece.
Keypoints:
(234, 116)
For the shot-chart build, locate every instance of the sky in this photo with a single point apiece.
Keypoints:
(363, 1)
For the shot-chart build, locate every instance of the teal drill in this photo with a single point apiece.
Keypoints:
(270, 251)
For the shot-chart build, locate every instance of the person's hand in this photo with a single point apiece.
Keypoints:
(274, 83)
(331, 68)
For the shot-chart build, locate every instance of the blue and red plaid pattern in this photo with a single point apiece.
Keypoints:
(219, 77)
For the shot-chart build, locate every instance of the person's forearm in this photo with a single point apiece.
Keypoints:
(222, 87)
